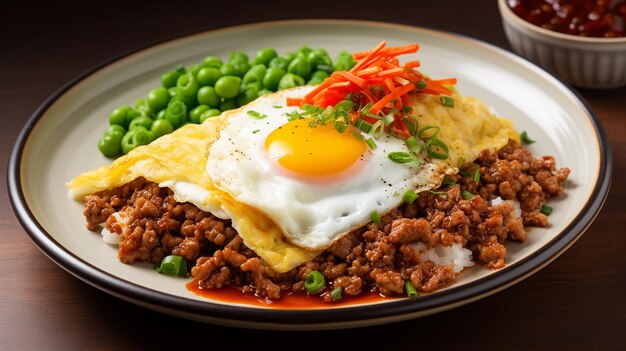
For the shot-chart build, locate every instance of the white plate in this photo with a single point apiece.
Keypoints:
(59, 142)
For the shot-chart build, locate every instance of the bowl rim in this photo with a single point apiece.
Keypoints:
(510, 16)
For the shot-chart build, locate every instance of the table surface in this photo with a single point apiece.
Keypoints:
(578, 302)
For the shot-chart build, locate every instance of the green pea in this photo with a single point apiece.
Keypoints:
(228, 87)
(300, 66)
(290, 80)
(264, 92)
(264, 56)
(110, 145)
(241, 68)
(247, 96)
(212, 61)
(115, 130)
(176, 113)
(344, 61)
(303, 51)
(319, 57)
(228, 69)
(208, 76)
(130, 115)
(254, 74)
(168, 79)
(209, 113)
(142, 107)
(318, 77)
(194, 114)
(141, 121)
(136, 137)
(237, 56)
(118, 116)
(161, 127)
(280, 62)
(172, 91)
(187, 89)
(157, 99)
(272, 77)
(227, 104)
(161, 114)
(208, 96)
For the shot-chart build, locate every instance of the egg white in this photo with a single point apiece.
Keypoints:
(311, 214)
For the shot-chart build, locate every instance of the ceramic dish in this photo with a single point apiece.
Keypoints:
(59, 142)
(585, 62)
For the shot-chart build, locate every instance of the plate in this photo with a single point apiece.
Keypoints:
(59, 142)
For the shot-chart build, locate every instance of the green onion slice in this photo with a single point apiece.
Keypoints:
(434, 145)
(409, 197)
(256, 114)
(378, 129)
(449, 181)
(446, 101)
(467, 195)
(340, 124)
(173, 265)
(546, 210)
(421, 133)
(411, 142)
(525, 139)
(371, 143)
(421, 84)
(314, 282)
(362, 125)
(401, 157)
(336, 293)
(376, 217)
(410, 289)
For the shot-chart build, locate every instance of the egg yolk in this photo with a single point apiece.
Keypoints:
(314, 151)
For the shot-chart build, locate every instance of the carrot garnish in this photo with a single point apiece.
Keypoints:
(379, 85)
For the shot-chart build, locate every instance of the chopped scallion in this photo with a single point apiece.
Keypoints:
(525, 139)
(336, 293)
(401, 157)
(546, 210)
(409, 197)
(446, 101)
(437, 149)
(314, 282)
(449, 181)
(376, 217)
(421, 84)
(467, 195)
(363, 125)
(256, 114)
(371, 143)
(173, 265)
(410, 289)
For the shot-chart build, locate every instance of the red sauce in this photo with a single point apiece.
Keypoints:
(588, 18)
(292, 300)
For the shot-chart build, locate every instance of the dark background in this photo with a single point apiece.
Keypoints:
(578, 302)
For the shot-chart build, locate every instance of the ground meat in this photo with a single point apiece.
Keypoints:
(377, 258)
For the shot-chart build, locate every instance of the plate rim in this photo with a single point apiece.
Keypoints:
(268, 318)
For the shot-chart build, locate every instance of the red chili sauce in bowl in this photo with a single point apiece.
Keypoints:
(589, 18)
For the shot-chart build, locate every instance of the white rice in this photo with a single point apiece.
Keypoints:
(113, 238)
(455, 255)
(498, 200)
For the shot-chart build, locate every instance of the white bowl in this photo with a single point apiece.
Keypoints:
(584, 62)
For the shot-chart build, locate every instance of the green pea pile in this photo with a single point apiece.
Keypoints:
(204, 90)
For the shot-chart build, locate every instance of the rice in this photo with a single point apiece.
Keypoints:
(455, 255)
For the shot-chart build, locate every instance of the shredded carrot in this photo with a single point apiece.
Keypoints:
(380, 79)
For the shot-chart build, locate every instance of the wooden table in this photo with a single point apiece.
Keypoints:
(576, 303)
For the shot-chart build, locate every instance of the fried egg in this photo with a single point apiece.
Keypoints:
(289, 189)
(315, 183)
